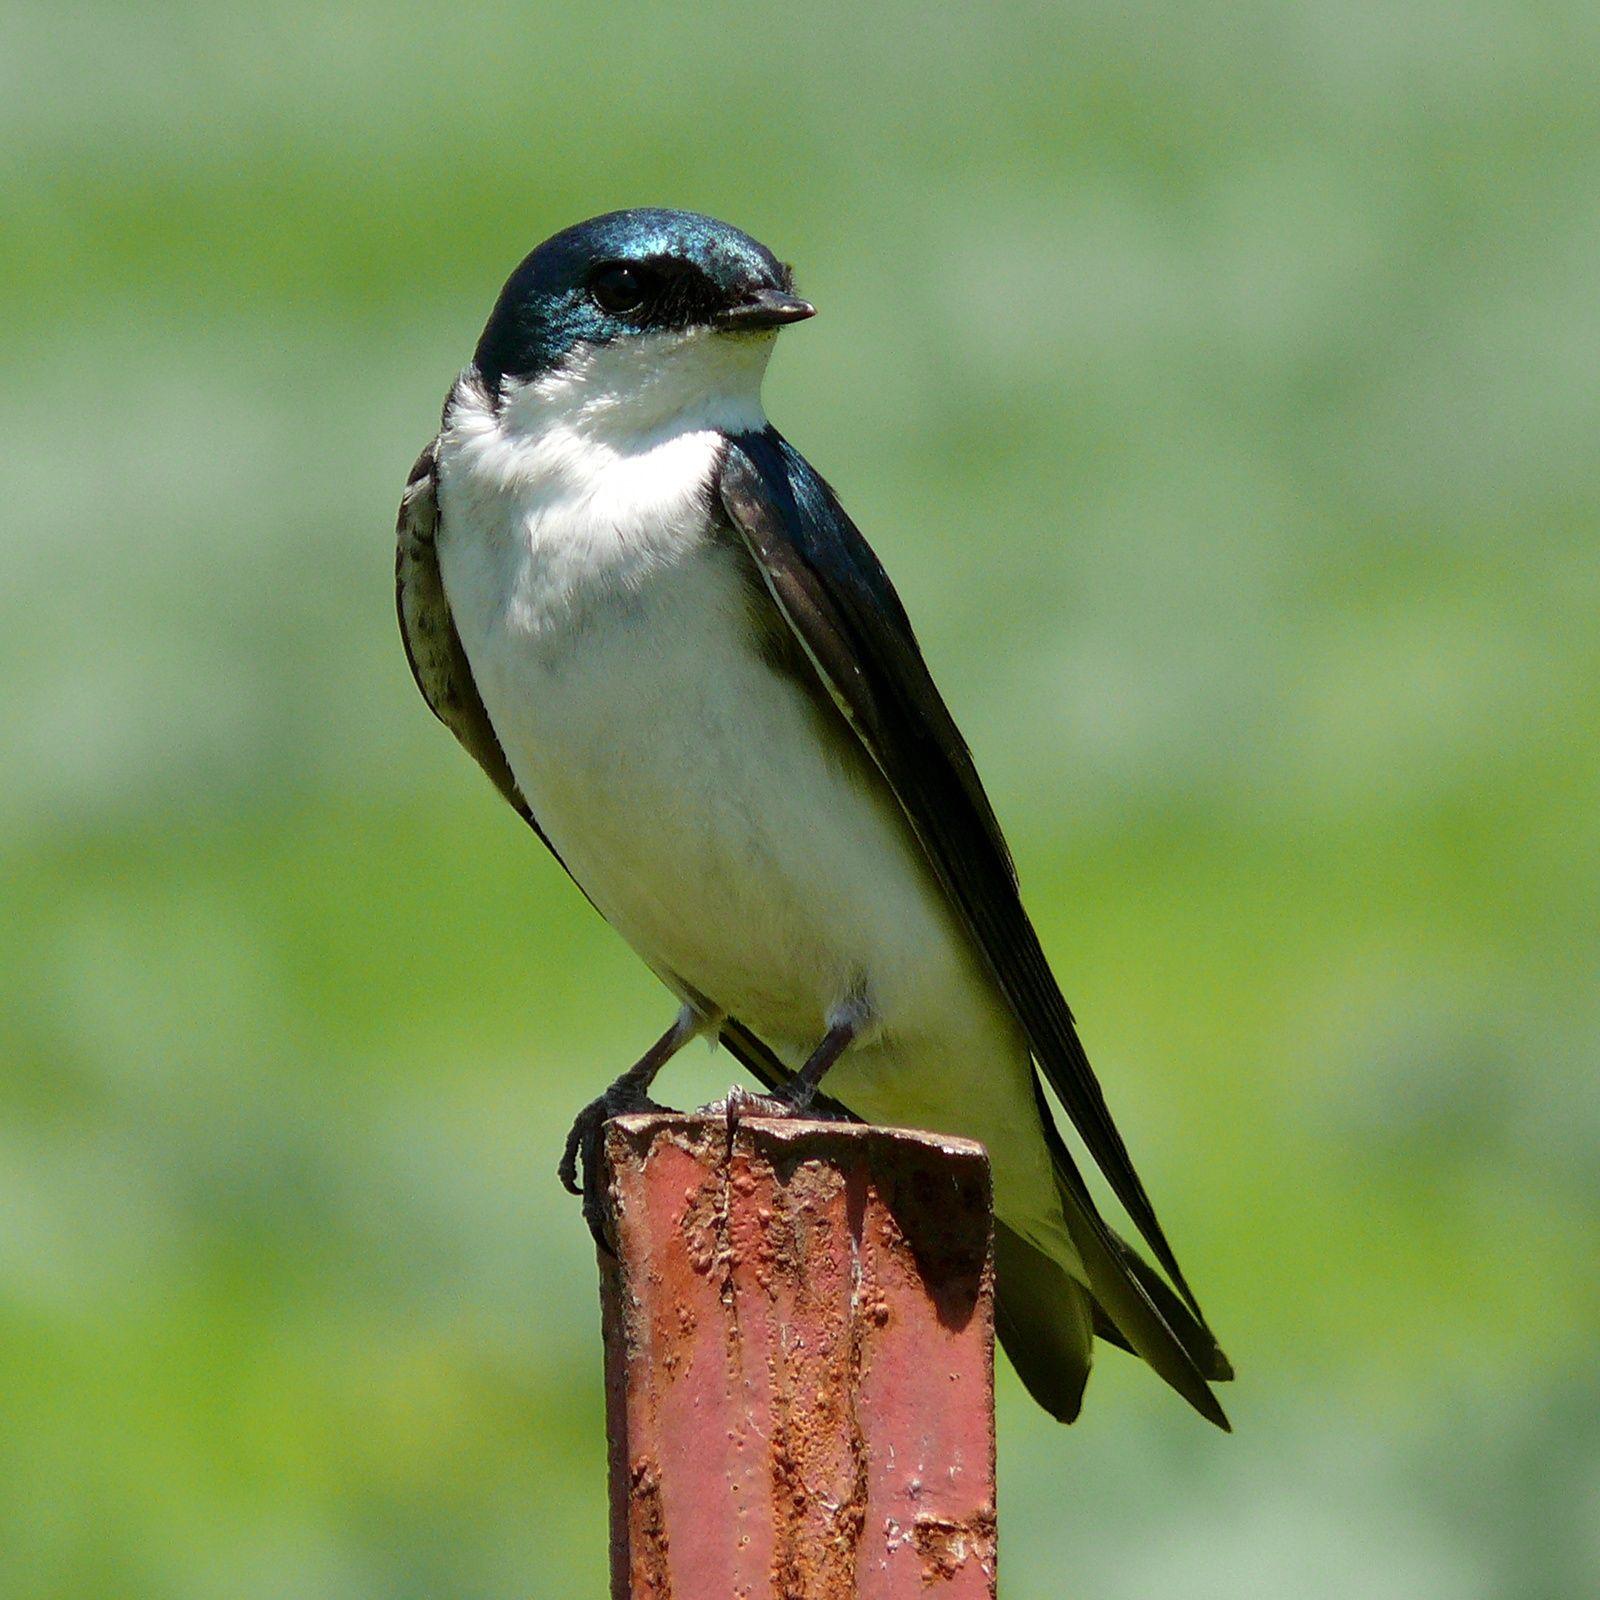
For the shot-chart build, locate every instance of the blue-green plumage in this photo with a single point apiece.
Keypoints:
(546, 309)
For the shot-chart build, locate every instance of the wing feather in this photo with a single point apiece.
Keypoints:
(838, 600)
(433, 647)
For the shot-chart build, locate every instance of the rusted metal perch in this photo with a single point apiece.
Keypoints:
(799, 1334)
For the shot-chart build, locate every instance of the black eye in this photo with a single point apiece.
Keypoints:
(618, 288)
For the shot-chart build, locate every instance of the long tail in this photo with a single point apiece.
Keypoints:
(1045, 1321)
(1143, 1313)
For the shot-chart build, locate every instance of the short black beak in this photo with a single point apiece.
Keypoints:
(766, 308)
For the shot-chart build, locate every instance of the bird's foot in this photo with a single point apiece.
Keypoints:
(630, 1093)
(622, 1099)
(740, 1103)
(798, 1097)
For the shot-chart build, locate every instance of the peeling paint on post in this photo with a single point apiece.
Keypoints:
(799, 1334)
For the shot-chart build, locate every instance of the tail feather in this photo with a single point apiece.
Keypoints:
(1044, 1320)
(1121, 1289)
(1130, 1308)
(1197, 1339)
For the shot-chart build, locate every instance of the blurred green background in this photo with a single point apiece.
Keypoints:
(1218, 382)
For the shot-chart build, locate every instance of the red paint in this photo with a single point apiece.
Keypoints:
(799, 1332)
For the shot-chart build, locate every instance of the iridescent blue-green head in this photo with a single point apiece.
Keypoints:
(628, 275)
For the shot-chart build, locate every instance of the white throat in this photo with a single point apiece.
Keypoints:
(606, 404)
(582, 481)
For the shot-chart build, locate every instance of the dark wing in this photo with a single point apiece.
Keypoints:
(838, 600)
(438, 663)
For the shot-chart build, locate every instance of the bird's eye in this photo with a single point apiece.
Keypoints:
(618, 288)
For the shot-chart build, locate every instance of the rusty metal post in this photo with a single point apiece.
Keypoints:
(799, 1335)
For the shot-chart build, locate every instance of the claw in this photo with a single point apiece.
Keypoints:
(628, 1094)
(739, 1103)
(583, 1148)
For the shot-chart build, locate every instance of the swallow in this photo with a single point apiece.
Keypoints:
(649, 620)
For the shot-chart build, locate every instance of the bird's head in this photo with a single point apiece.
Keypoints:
(646, 303)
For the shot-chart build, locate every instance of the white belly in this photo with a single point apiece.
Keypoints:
(688, 788)
(695, 794)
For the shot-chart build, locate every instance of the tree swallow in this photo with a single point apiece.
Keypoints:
(649, 620)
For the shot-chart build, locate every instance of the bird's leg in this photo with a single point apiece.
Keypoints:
(631, 1092)
(795, 1098)
(803, 1086)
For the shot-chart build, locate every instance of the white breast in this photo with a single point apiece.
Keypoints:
(687, 785)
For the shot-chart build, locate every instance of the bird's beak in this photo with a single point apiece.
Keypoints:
(766, 308)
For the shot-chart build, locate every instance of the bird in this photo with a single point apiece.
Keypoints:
(650, 621)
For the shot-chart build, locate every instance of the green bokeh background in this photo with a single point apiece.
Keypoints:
(1218, 382)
